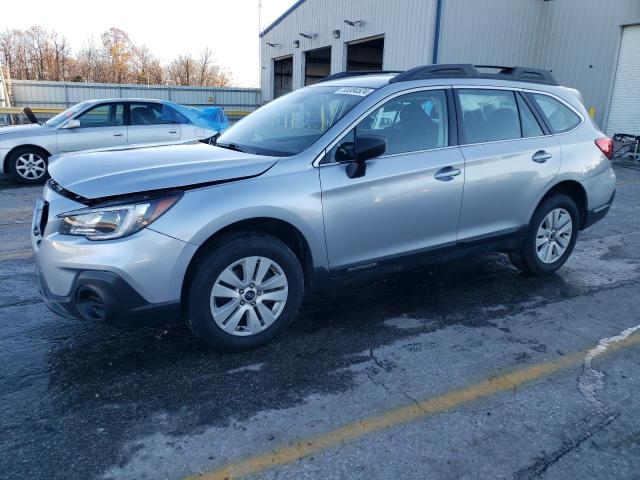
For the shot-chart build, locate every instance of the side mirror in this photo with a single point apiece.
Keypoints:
(346, 152)
(73, 123)
(366, 147)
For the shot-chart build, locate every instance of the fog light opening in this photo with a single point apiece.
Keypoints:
(91, 304)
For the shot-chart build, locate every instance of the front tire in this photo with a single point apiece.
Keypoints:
(28, 165)
(553, 232)
(247, 289)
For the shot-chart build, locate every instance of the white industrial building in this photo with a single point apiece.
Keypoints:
(592, 45)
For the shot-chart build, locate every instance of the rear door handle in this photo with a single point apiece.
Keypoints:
(541, 156)
(118, 134)
(447, 173)
(173, 131)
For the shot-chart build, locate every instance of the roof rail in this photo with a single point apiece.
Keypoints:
(339, 75)
(467, 70)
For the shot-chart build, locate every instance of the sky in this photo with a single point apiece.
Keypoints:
(168, 28)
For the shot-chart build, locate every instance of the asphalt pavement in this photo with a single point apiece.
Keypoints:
(463, 370)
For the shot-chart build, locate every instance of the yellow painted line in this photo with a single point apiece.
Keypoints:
(16, 255)
(52, 110)
(307, 446)
(18, 110)
(236, 113)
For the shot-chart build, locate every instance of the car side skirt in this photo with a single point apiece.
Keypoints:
(503, 242)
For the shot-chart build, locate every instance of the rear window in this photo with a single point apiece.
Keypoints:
(560, 118)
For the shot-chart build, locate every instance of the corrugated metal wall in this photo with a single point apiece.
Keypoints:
(577, 39)
(581, 44)
(494, 32)
(321, 18)
(30, 93)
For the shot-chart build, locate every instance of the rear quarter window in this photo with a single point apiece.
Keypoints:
(559, 117)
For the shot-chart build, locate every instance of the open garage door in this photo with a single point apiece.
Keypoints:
(282, 76)
(317, 64)
(624, 109)
(365, 54)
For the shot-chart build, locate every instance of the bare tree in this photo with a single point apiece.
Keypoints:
(210, 74)
(118, 48)
(182, 70)
(224, 78)
(145, 66)
(204, 65)
(90, 64)
(10, 44)
(37, 50)
(61, 57)
(45, 55)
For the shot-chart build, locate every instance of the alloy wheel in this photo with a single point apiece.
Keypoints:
(31, 166)
(249, 295)
(554, 235)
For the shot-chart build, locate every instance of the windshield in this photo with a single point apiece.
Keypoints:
(290, 124)
(68, 113)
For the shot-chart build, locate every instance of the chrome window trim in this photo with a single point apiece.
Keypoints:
(341, 135)
(384, 157)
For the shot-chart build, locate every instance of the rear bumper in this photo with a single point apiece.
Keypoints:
(107, 298)
(598, 214)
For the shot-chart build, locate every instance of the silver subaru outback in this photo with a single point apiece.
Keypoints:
(359, 174)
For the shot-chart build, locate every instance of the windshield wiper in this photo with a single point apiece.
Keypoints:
(214, 139)
(230, 146)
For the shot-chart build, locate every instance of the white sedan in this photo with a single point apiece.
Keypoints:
(94, 124)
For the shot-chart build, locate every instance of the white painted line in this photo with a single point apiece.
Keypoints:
(591, 379)
(248, 368)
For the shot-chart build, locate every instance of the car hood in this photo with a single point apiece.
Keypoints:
(106, 173)
(18, 129)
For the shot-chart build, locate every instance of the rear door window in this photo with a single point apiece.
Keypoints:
(489, 115)
(154, 114)
(559, 117)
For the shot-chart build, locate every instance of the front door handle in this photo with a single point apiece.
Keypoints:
(447, 173)
(541, 156)
(173, 131)
(118, 134)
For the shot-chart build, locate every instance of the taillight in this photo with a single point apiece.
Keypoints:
(605, 144)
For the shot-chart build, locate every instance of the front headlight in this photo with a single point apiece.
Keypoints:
(115, 221)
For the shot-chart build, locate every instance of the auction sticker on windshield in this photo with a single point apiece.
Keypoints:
(358, 91)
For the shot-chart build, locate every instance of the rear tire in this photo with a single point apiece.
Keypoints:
(553, 232)
(28, 165)
(232, 313)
